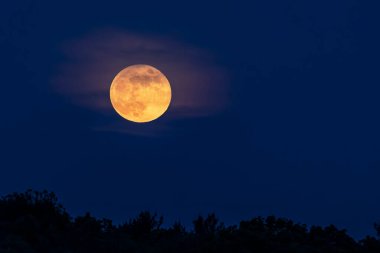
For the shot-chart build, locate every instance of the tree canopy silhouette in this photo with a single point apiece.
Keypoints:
(35, 222)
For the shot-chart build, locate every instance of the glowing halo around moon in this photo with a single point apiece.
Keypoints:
(140, 93)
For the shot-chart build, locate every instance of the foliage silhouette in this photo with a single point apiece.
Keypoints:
(35, 222)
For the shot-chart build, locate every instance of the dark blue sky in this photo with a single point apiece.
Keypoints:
(298, 135)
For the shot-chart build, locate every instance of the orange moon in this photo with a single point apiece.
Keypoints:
(140, 93)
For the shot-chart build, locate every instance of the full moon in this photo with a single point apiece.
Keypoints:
(140, 93)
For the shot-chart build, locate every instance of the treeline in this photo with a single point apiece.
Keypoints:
(35, 222)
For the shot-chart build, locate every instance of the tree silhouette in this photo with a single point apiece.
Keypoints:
(207, 226)
(35, 222)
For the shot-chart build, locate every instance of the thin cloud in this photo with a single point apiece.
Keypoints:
(199, 84)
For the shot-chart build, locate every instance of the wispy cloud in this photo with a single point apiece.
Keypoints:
(199, 84)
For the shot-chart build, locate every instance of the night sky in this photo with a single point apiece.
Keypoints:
(275, 108)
